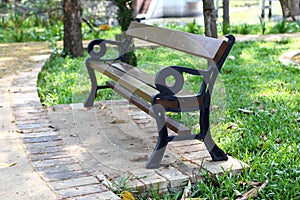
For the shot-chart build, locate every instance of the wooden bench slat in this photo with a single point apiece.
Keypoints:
(136, 72)
(143, 76)
(132, 84)
(141, 85)
(174, 125)
(206, 47)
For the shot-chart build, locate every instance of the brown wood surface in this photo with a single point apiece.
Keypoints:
(127, 81)
(174, 125)
(142, 84)
(135, 72)
(206, 47)
(143, 76)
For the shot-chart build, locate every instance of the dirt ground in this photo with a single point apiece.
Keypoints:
(105, 138)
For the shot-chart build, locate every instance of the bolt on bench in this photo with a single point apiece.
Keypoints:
(154, 95)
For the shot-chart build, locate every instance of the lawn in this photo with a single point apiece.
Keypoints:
(266, 138)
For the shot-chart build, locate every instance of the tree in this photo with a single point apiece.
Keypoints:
(72, 27)
(226, 22)
(125, 16)
(125, 13)
(210, 18)
(290, 8)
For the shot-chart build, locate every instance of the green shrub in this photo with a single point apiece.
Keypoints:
(195, 28)
(262, 24)
(282, 27)
(244, 29)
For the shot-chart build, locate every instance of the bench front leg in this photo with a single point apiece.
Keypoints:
(162, 141)
(215, 152)
(94, 86)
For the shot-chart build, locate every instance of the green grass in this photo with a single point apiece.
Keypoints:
(267, 140)
(18, 28)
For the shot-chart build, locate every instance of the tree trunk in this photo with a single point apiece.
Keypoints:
(72, 27)
(226, 22)
(126, 15)
(290, 8)
(210, 18)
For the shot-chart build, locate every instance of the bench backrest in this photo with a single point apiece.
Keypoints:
(205, 47)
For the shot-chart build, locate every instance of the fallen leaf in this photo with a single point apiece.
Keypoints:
(54, 128)
(125, 195)
(5, 165)
(101, 107)
(19, 131)
(264, 137)
(73, 135)
(245, 111)
(187, 191)
(118, 121)
(232, 126)
(140, 158)
(257, 101)
(252, 193)
(278, 141)
(252, 184)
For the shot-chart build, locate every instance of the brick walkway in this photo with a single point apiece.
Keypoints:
(43, 146)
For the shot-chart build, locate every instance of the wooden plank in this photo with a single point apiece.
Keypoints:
(132, 84)
(172, 124)
(135, 72)
(198, 45)
(142, 84)
(143, 76)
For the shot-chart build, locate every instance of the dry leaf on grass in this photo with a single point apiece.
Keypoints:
(245, 111)
(251, 194)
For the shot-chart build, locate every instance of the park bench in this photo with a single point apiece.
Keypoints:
(153, 94)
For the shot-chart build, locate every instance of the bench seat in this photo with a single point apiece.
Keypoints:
(125, 75)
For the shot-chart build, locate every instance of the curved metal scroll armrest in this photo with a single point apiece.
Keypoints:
(102, 44)
(179, 103)
(176, 72)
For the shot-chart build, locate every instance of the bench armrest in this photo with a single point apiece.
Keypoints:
(177, 73)
(187, 103)
(102, 44)
(171, 97)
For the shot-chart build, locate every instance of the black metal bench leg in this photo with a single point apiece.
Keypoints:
(162, 141)
(92, 95)
(215, 152)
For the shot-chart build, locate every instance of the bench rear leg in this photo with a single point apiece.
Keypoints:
(215, 152)
(162, 141)
(92, 95)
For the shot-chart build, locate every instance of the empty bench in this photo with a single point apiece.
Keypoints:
(153, 94)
